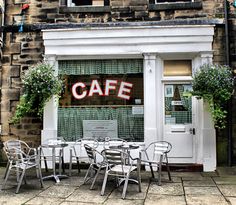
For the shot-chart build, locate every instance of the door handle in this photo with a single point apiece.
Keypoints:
(192, 131)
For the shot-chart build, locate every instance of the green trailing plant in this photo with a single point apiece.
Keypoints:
(215, 84)
(39, 85)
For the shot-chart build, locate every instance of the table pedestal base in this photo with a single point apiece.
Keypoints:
(55, 177)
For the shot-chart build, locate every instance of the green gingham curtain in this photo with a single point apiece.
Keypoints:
(89, 67)
(70, 119)
(70, 124)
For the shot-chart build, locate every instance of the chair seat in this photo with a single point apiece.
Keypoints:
(26, 165)
(122, 168)
(150, 161)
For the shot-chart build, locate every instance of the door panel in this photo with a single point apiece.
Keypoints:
(178, 119)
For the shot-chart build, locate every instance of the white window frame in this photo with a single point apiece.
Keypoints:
(70, 4)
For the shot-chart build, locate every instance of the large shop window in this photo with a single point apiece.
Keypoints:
(106, 92)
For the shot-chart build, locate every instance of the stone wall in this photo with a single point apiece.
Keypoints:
(23, 49)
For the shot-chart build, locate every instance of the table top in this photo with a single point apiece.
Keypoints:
(127, 147)
(61, 145)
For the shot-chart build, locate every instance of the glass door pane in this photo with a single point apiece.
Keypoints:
(178, 104)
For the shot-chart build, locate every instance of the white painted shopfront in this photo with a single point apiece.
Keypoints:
(169, 56)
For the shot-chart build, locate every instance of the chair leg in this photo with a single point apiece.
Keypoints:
(17, 174)
(44, 159)
(78, 166)
(45, 164)
(7, 175)
(168, 168)
(150, 165)
(62, 160)
(104, 183)
(139, 177)
(38, 170)
(7, 167)
(70, 165)
(20, 181)
(159, 171)
(87, 173)
(95, 178)
(125, 186)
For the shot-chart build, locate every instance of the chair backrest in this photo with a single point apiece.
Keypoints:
(158, 149)
(16, 150)
(91, 153)
(16, 144)
(162, 147)
(115, 157)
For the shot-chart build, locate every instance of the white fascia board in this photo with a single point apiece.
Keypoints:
(129, 41)
(111, 32)
(134, 40)
(122, 50)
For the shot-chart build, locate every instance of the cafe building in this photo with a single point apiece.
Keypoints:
(132, 81)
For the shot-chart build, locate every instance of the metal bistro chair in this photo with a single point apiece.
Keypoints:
(20, 159)
(159, 151)
(95, 166)
(19, 145)
(76, 150)
(117, 166)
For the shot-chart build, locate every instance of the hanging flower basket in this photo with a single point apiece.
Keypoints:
(39, 85)
(215, 84)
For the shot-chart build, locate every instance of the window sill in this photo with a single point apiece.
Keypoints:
(175, 6)
(85, 9)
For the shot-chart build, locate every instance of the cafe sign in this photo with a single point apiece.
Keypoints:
(124, 89)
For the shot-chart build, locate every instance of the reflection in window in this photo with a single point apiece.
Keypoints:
(102, 90)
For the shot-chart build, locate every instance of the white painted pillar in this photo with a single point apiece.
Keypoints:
(207, 133)
(150, 96)
(50, 110)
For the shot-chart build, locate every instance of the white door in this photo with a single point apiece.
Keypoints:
(178, 121)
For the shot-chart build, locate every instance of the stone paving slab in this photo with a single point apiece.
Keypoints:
(228, 190)
(201, 191)
(123, 202)
(132, 192)
(164, 200)
(225, 180)
(208, 182)
(84, 194)
(232, 200)
(166, 189)
(205, 200)
(45, 201)
(10, 198)
(58, 191)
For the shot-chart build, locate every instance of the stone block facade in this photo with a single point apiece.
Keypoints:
(24, 49)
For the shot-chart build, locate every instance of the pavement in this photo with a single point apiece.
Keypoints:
(186, 188)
